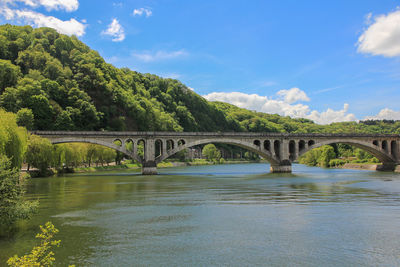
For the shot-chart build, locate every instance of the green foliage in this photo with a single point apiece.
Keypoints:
(13, 139)
(211, 152)
(68, 86)
(374, 160)
(337, 162)
(327, 154)
(248, 155)
(12, 205)
(318, 157)
(39, 153)
(181, 155)
(41, 255)
(140, 149)
(343, 150)
(362, 154)
(98, 154)
(25, 118)
(9, 74)
(42, 154)
(55, 82)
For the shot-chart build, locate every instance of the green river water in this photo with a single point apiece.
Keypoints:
(220, 215)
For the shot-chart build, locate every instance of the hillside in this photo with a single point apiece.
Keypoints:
(68, 86)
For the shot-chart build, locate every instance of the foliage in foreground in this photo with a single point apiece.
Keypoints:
(12, 205)
(41, 255)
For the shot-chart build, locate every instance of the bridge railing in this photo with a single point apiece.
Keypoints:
(214, 134)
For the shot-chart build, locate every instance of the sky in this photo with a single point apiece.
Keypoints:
(328, 61)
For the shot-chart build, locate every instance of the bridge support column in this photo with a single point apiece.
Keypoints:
(149, 165)
(149, 168)
(282, 167)
(388, 166)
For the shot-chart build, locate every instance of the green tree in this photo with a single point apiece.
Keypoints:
(327, 153)
(320, 156)
(13, 139)
(68, 86)
(362, 154)
(39, 153)
(12, 204)
(9, 74)
(211, 152)
(25, 118)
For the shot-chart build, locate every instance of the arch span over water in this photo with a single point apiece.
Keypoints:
(280, 149)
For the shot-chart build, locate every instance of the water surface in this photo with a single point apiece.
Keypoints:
(236, 215)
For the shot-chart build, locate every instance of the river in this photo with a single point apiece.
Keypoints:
(232, 215)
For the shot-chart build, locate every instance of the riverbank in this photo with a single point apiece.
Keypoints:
(360, 166)
(366, 166)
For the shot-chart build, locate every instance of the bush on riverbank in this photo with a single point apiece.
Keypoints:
(337, 163)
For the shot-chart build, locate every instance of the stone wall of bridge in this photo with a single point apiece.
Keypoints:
(280, 149)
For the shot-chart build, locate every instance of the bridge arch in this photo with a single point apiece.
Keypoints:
(380, 154)
(246, 145)
(119, 148)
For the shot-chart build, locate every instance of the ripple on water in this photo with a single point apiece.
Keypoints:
(234, 215)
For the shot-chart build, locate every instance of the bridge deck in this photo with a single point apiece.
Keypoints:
(213, 134)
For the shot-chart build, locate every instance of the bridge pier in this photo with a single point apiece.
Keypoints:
(149, 165)
(283, 167)
(387, 166)
(149, 168)
(279, 148)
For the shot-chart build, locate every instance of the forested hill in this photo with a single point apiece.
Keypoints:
(68, 86)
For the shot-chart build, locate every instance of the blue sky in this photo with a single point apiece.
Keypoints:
(324, 60)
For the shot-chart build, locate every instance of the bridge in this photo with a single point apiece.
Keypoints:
(280, 149)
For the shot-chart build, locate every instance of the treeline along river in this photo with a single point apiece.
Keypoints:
(234, 215)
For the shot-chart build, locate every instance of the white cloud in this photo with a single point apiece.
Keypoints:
(284, 107)
(293, 95)
(69, 27)
(142, 11)
(242, 100)
(331, 115)
(385, 114)
(115, 30)
(382, 37)
(7, 12)
(68, 5)
(368, 19)
(147, 56)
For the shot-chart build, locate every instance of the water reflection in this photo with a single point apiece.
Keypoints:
(220, 215)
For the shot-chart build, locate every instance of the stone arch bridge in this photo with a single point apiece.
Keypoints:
(280, 149)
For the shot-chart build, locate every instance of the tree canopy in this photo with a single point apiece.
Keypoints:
(68, 86)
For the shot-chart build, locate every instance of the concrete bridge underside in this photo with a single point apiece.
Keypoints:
(280, 149)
